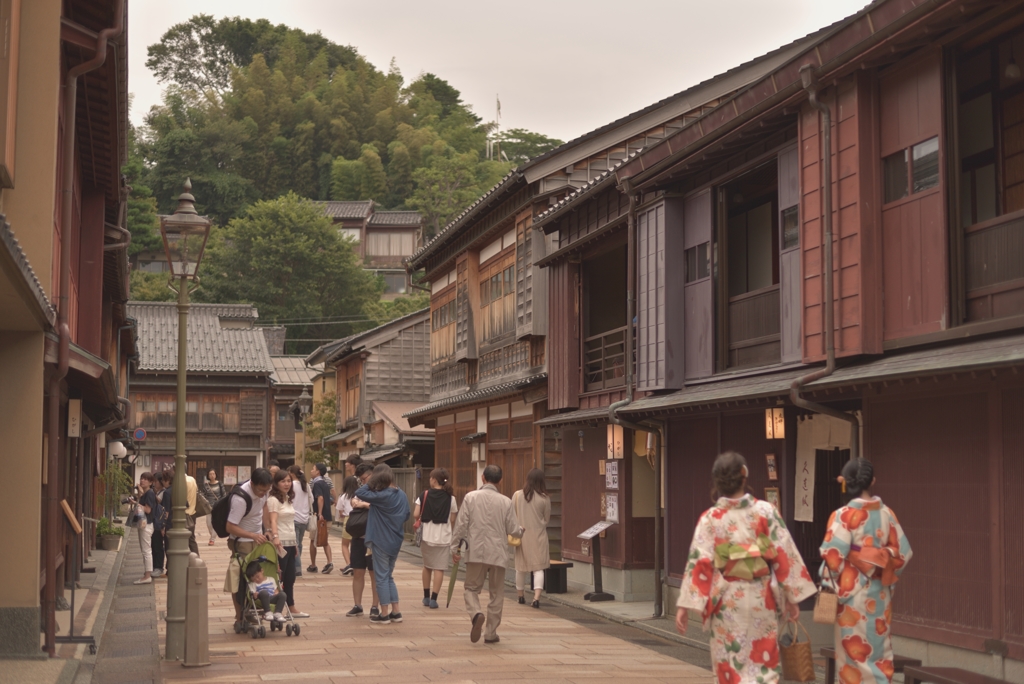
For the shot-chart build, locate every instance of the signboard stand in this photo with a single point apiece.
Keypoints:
(593, 534)
(70, 638)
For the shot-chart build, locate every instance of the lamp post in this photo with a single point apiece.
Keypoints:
(184, 233)
(302, 407)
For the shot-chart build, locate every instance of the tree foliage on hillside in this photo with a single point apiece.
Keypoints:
(253, 110)
(284, 256)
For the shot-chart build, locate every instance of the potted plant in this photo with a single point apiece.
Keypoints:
(116, 485)
(108, 535)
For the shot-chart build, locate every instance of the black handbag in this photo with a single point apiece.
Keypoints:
(356, 524)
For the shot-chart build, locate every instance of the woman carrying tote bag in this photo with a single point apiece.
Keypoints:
(533, 510)
(864, 553)
(743, 568)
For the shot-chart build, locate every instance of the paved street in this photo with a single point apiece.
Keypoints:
(430, 645)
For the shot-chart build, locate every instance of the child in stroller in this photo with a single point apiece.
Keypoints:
(261, 588)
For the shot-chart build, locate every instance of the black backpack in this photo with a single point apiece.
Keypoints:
(356, 524)
(222, 508)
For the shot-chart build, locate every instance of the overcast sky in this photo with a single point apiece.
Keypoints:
(560, 68)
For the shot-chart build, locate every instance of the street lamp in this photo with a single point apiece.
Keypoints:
(184, 233)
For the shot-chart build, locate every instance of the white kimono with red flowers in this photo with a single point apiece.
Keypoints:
(743, 568)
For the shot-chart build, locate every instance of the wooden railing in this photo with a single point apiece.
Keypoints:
(993, 267)
(754, 328)
(604, 359)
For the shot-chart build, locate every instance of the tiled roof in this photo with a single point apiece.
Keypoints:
(292, 370)
(212, 346)
(577, 194)
(15, 255)
(396, 218)
(347, 210)
(333, 350)
(393, 412)
(473, 397)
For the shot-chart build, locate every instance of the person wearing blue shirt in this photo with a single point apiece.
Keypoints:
(389, 509)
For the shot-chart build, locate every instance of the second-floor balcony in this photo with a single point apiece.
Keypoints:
(604, 360)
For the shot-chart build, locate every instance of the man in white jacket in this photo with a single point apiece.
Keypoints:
(484, 522)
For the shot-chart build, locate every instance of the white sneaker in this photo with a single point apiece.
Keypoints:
(278, 617)
(158, 573)
(144, 580)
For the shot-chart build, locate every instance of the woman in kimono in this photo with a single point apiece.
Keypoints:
(864, 553)
(743, 570)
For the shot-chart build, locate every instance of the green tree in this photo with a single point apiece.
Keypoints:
(381, 311)
(150, 287)
(444, 188)
(321, 423)
(519, 145)
(140, 212)
(285, 257)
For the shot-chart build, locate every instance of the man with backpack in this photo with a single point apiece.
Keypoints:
(239, 517)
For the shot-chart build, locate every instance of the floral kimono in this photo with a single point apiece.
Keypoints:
(864, 553)
(743, 567)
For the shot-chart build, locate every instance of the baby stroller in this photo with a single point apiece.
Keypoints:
(253, 615)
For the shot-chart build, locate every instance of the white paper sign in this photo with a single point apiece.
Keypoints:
(612, 514)
(74, 417)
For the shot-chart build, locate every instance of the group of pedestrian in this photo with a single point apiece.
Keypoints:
(744, 571)
(152, 511)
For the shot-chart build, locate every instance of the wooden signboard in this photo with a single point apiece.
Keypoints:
(595, 530)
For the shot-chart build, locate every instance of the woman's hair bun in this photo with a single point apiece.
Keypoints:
(858, 474)
(728, 474)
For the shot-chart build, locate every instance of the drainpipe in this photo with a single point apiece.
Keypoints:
(122, 210)
(810, 83)
(63, 330)
(613, 417)
(126, 403)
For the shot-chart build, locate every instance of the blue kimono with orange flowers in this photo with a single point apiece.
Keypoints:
(743, 567)
(864, 553)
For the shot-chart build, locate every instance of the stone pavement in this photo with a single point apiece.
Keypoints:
(554, 644)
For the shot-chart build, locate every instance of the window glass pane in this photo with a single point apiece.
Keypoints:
(975, 123)
(737, 255)
(192, 407)
(760, 272)
(791, 227)
(926, 164)
(691, 264)
(496, 286)
(231, 408)
(985, 191)
(895, 172)
(509, 285)
(703, 262)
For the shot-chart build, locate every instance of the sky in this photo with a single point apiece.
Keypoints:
(559, 68)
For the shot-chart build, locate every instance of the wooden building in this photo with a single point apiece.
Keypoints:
(64, 335)
(228, 418)
(291, 377)
(383, 239)
(493, 333)
(380, 373)
(724, 221)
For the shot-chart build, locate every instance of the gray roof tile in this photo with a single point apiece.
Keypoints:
(212, 346)
(347, 210)
(292, 370)
(396, 218)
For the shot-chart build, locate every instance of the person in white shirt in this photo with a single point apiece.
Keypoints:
(280, 526)
(303, 503)
(436, 515)
(245, 528)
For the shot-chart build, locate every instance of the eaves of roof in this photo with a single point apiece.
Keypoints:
(336, 350)
(15, 262)
(576, 196)
(415, 262)
(977, 355)
(834, 48)
(476, 396)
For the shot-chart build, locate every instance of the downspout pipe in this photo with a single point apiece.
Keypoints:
(810, 84)
(63, 315)
(613, 417)
(125, 403)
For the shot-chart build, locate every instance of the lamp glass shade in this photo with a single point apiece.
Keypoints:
(185, 238)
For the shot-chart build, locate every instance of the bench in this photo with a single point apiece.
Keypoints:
(899, 663)
(555, 577)
(915, 674)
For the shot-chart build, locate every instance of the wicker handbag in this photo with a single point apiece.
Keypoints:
(826, 605)
(797, 660)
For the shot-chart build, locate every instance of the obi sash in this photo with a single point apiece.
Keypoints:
(745, 561)
(874, 562)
